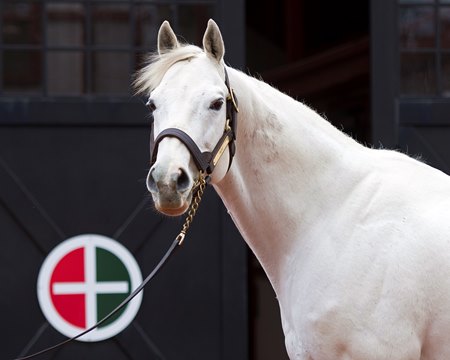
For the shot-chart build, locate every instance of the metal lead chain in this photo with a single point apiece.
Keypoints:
(200, 185)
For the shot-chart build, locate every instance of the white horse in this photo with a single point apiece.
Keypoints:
(355, 241)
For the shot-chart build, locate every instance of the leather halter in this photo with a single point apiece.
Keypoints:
(205, 161)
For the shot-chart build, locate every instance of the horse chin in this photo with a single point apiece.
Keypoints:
(172, 211)
(172, 206)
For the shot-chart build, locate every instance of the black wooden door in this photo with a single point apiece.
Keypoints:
(73, 159)
(61, 181)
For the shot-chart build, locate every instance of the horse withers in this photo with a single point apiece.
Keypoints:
(355, 241)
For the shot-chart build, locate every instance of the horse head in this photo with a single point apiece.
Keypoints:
(188, 104)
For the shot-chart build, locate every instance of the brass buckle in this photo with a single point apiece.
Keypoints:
(227, 126)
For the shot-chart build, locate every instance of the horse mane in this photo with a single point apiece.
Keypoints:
(149, 77)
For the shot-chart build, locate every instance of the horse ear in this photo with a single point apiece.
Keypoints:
(167, 40)
(213, 42)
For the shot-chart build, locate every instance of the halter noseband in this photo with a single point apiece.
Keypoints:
(205, 161)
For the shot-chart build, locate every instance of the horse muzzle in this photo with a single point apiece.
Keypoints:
(171, 189)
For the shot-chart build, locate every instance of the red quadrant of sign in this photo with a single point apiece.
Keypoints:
(70, 269)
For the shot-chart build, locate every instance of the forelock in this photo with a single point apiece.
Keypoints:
(150, 76)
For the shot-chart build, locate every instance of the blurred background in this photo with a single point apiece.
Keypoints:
(74, 147)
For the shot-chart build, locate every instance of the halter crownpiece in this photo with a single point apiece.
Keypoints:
(205, 161)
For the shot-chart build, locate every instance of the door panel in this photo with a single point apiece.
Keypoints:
(73, 160)
(58, 182)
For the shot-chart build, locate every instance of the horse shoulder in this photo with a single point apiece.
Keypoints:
(390, 262)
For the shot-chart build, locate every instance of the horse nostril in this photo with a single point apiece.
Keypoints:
(151, 183)
(183, 181)
(178, 181)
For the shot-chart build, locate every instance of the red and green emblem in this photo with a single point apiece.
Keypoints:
(82, 280)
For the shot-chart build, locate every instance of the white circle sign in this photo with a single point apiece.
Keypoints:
(82, 280)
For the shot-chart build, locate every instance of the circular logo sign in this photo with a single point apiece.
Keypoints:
(82, 280)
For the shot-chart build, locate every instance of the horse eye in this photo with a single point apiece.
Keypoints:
(151, 105)
(216, 104)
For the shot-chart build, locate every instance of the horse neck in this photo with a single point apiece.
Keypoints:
(288, 168)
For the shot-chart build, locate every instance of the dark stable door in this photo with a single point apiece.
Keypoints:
(74, 154)
(58, 181)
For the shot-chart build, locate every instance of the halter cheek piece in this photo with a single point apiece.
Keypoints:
(205, 161)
